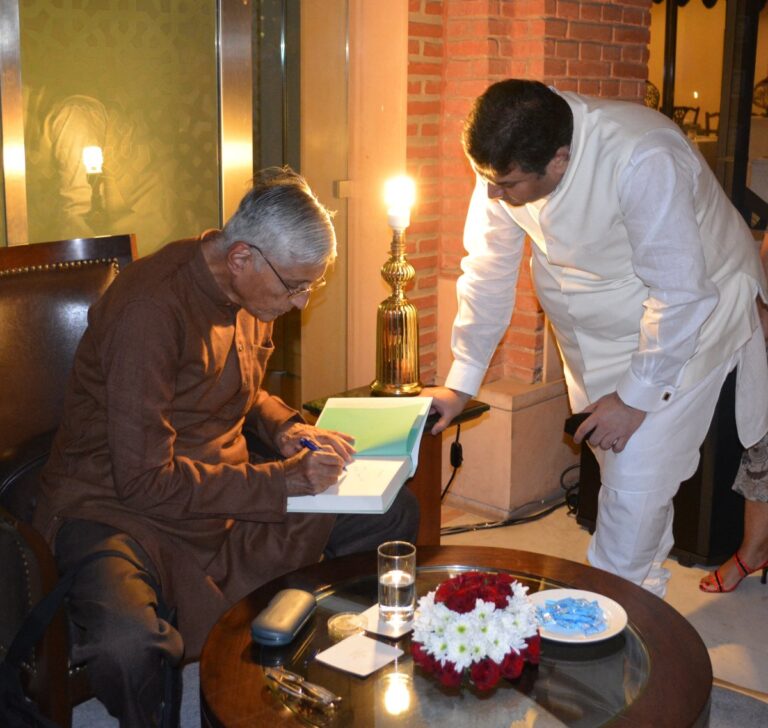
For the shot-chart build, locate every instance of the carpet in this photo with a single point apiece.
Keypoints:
(732, 709)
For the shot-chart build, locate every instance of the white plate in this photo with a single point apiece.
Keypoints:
(615, 616)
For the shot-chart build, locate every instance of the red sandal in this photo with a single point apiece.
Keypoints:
(714, 581)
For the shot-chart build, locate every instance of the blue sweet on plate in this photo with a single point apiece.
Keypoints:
(572, 616)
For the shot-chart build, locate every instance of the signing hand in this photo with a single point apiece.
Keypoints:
(311, 472)
(290, 435)
(447, 402)
(307, 471)
(613, 422)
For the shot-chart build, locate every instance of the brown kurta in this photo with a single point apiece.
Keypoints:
(151, 442)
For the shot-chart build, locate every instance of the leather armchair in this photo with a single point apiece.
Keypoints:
(46, 290)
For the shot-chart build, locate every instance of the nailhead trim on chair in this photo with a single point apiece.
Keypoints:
(31, 666)
(57, 266)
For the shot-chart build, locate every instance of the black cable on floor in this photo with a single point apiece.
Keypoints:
(452, 530)
(570, 500)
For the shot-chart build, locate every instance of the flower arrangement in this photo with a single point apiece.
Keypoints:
(478, 626)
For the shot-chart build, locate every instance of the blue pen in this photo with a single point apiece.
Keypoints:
(313, 446)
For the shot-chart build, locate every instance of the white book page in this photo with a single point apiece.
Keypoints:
(363, 487)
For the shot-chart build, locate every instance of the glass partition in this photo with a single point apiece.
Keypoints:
(121, 118)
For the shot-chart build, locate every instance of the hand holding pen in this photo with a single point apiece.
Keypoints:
(318, 463)
(293, 437)
(313, 447)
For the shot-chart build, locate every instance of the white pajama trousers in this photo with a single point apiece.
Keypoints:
(633, 534)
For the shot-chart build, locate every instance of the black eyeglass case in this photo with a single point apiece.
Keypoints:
(282, 619)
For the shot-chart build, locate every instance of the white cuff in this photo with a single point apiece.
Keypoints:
(465, 378)
(643, 396)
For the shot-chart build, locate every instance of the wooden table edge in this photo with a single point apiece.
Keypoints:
(686, 668)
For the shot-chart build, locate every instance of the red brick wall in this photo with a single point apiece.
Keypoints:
(425, 108)
(456, 49)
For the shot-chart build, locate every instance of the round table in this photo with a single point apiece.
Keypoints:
(656, 673)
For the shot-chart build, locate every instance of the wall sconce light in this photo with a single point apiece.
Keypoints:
(397, 321)
(93, 160)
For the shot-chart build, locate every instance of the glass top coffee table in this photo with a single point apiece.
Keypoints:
(656, 672)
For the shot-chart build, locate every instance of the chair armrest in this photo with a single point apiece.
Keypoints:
(19, 472)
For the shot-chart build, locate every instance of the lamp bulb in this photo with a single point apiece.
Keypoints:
(93, 159)
(399, 195)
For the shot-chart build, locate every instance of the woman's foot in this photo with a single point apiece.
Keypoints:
(729, 575)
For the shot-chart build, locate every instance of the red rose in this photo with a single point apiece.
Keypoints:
(512, 665)
(495, 594)
(533, 649)
(468, 583)
(462, 601)
(443, 592)
(485, 674)
(422, 658)
(471, 578)
(448, 674)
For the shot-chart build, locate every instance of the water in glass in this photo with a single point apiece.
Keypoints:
(397, 594)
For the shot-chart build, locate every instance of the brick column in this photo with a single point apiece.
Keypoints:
(457, 48)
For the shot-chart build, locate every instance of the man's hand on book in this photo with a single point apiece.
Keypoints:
(447, 403)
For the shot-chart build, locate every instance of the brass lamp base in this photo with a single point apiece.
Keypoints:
(381, 389)
(397, 330)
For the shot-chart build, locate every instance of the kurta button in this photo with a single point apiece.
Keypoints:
(239, 347)
(666, 396)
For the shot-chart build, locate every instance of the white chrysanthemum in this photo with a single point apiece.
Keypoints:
(486, 631)
(483, 610)
(460, 651)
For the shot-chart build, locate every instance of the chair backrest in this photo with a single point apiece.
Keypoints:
(711, 122)
(652, 95)
(46, 290)
(686, 117)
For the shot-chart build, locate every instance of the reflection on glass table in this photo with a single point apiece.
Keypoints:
(574, 685)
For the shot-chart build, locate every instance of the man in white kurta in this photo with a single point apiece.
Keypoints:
(648, 275)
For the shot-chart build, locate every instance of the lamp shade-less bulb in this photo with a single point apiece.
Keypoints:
(399, 195)
(93, 159)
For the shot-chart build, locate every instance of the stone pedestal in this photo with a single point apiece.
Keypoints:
(514, 454)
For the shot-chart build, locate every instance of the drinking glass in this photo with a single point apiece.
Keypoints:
(397, 581)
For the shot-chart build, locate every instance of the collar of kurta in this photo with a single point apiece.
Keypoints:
(204, 278)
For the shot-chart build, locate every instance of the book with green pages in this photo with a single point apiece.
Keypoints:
(387, 432)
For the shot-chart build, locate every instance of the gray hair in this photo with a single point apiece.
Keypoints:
(282, 216)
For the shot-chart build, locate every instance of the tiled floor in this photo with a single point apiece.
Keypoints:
(733, 626)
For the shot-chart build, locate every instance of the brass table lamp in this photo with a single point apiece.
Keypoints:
(397, 321)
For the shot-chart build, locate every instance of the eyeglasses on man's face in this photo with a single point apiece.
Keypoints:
(291, 292)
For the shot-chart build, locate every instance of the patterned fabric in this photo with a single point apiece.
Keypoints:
(752, 478)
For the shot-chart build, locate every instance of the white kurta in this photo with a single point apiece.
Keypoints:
(648, 275)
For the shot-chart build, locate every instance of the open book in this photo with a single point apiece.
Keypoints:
(387, 432)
